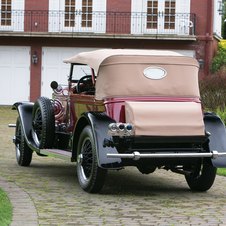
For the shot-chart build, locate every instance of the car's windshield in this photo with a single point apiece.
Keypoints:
(80, 70)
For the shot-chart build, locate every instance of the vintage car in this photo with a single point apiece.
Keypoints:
(123, 108)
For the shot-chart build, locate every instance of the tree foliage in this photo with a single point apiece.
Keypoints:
(220, 59)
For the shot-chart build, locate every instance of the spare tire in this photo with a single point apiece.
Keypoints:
(43, 123)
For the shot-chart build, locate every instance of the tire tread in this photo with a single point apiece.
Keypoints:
(98, 175)
(48, 121)
(25, 152)
(204, 181)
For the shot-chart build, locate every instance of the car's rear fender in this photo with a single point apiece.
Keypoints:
(25, 113)
(99, 124)
(217, 140)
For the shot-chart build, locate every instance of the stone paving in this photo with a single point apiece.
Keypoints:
(47, 193)
(128, 197)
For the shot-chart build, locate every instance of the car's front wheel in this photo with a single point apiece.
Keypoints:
(204, 177)
(23, 152)
(91, 177)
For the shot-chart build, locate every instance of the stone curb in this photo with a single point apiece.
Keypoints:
(24, 211)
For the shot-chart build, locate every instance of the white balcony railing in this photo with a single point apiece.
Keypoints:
(98, 22)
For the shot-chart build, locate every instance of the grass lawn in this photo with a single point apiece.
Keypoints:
(5, 209)
(7, 116)
(221, 171)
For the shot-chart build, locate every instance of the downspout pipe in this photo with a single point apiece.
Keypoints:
(208, 35)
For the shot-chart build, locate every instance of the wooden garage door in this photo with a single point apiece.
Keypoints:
(14, 74)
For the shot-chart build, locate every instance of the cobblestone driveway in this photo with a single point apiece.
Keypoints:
(128, 197)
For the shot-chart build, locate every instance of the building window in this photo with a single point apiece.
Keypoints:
(69, 13)
(6, 12)
(170, 9)
(152, 14)
(87, 9)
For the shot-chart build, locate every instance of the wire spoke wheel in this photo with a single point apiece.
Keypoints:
(37, 127)
(23, 152)
(43, 123)
(87, 160)
(91, 177)
(18, 140)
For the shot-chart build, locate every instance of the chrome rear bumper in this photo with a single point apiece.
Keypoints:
(137, 155)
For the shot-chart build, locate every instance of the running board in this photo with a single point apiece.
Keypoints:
(58, 153)
(137, 155)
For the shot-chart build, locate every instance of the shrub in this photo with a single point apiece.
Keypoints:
(221, 114)
(213, 92)
(223, 44)
(223, 30)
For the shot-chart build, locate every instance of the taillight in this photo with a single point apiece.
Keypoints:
(120, 129)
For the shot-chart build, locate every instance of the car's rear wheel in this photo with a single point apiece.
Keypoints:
(205, 174)
(43, 123)
(23, 152)
(91, 177)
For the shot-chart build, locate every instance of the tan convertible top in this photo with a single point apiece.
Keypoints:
(132, 73)
(96, 57)
(149, 73)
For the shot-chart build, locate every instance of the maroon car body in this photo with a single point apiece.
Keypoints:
(125, 108)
